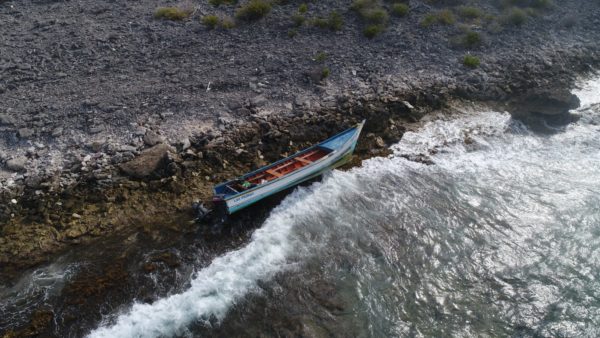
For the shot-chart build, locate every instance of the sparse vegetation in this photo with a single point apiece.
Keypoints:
(303, 8)
(253, 10)
(373, 14)
(515, 16)
(471, 61)
(210, 21)
(325, 73)
(298, 20)
(372, 31)
(471, 39)
(400, 9)
(333, 21)
(470, 12)
(227, 23)
(217, 3)
(292, 32)
(539, 4)
(376, 15)
(321, 56)
(444, 17)
(172, 13)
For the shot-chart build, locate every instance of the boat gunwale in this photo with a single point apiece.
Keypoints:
(262, 169)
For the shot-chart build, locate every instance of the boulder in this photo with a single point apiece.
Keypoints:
(546, 102)
(16, 164)
(151, 163)
(545, 110)
(152, 138)
(26, 133)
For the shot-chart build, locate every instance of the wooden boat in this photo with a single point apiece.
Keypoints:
(250, 188)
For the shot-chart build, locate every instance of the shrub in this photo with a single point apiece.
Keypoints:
(539, 4)
(359, 5)
(303, 8)
(375, 15)
(515, 16)
(321, 56)
(298, 20)
(471, 61)
(292, 32)
(210, 21)
(471, 39)
(372, 31)
(217, 3)
(253, 10)
(172, 13)
(334, 22)
(444, 17)
(470, 12)
(428, 20)
(400, 9)
(325, 73)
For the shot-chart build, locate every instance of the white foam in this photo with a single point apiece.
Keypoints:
(228, 278)
(588, 92)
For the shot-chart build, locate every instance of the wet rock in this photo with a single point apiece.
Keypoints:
(546, 102)
(16, 164)
(546, 110)
(151, 162)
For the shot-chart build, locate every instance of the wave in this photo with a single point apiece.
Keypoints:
(302, 224)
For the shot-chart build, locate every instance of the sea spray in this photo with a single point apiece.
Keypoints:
(228, 278)
(480, 218)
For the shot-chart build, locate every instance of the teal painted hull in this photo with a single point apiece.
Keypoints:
(341, 146)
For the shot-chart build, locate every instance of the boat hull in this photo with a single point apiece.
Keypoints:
(336, 158)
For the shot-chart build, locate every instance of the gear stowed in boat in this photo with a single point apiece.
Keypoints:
(250, 188)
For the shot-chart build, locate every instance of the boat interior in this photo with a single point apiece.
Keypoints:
(274, 171)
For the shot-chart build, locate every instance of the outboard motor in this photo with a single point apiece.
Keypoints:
(201, 211)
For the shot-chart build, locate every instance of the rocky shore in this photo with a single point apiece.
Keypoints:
(110, 118)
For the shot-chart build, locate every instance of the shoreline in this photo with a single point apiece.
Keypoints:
(93, 160)
(164, 180)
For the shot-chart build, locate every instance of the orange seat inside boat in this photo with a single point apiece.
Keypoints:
(289, 166)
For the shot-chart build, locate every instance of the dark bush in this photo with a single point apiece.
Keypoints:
(470, 12)
(217, 3)
(445, 17)
(210, 21)
(334, 22)
(375, 15)
(514, 16)
(372, 31)
(303, 8)
(172, 13)
(253, 10)
(471, 39)
(471, 61)
(298, 20)
(400, 9)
